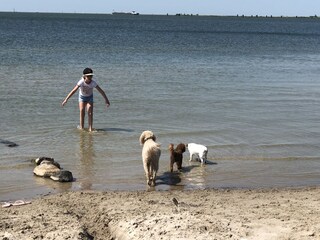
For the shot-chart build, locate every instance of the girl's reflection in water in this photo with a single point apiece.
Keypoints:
(87, 155)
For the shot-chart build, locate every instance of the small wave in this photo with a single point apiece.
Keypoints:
(286, 145)
(260, 158)
(228, 146)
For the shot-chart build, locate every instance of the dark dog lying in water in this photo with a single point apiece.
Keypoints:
(8, 143)
(47, 167)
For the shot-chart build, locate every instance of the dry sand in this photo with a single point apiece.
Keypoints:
(200, 214)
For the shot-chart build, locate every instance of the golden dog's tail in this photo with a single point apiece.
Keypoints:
(171, 147)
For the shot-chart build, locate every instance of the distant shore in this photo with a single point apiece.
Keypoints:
(172, 15)
(197, 214)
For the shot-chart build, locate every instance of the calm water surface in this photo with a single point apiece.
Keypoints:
(248, 88)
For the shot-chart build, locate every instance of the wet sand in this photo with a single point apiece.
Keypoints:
(195, 214)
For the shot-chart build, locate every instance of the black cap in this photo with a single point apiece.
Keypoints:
(87, 71)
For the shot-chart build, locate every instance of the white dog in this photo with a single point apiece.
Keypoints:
(150, 156)
(198, 150)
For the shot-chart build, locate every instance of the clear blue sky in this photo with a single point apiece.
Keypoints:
(203, 7)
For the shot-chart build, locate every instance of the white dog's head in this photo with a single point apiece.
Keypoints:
(146, 135)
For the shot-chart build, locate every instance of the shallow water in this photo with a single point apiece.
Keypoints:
(246, 88)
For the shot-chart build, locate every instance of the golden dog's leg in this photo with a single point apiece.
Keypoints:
(146, 167)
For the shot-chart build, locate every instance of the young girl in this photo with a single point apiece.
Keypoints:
(86, 85)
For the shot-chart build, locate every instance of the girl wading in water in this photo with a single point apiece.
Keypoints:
(86, 85)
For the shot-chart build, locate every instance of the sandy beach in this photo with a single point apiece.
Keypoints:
(197, 214)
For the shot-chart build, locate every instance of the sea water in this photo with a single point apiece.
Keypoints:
(247, 88)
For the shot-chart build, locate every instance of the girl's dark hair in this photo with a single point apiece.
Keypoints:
(87, 71)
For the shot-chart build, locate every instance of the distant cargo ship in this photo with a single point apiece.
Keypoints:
(125, 13)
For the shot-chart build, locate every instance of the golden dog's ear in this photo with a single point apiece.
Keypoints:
(146, 135)
(141, 139)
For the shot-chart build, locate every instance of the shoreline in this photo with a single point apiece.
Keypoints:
(195, 15)
(276, 213)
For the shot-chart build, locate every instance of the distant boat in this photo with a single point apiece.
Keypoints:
(125, 13)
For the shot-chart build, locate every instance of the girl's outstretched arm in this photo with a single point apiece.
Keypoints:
(103, 95)
(69, 95)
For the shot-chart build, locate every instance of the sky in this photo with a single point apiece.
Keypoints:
(201, 7)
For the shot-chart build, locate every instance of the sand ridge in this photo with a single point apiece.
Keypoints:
(195, 214)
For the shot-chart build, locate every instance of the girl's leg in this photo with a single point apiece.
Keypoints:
(82, 109)
(90, 115)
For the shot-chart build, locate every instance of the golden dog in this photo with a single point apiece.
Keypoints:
(150, 156)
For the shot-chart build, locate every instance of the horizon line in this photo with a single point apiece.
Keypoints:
(167, 14)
